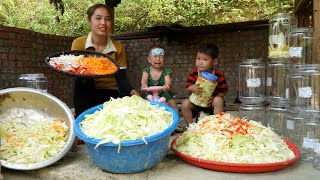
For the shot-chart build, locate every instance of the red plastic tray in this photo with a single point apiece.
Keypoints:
(238, 167)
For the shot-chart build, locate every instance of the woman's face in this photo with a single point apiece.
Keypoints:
(101, 22)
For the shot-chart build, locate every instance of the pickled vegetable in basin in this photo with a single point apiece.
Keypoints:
(36, 128)
(132, 155)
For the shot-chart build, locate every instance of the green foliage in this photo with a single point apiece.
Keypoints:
(135, 15)
(140, 14)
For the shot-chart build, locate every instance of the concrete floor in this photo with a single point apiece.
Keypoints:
(78, 166)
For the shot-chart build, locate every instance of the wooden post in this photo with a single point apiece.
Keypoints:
(316, 29)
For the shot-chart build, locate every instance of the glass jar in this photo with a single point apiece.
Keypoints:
(301, 45)
(301, 130)
(276, 84)
(316, 148)
(253, 112)
(208, 83)
(252, 81)
(36, 81)
(304, 87)
(279, 28)
(308, 136)
(276, 118)
(292, 125)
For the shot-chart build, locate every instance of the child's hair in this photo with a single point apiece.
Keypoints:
(209, 49)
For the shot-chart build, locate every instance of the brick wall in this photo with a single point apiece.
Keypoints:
(235, 41)
(24, 51)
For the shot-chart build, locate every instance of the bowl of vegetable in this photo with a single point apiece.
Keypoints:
(36, 128)
(127, 135)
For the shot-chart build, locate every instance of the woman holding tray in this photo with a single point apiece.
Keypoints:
(91, 92)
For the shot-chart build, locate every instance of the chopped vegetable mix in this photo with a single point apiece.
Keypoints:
(23, 143)
(83, 65)
(127, 118)
(228, 138)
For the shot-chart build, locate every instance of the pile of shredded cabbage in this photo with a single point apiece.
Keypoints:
(127, 118)
(68, 61)
(24, 143)
(231, 139)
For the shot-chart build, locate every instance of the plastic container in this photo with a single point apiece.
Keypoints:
(36, 81)
(279, 28)
(304, 87)
(276, 118)
(135, 155)
(301, 45)
(252, 81)
(252, 112)
(208, 83)
(276, 84)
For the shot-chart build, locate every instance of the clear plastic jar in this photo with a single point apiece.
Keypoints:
(208, 83)
(36, 81)
(252, 81)
(276, 118)
(279, 28)
(253, 112)
(276, 84)
(301, 45)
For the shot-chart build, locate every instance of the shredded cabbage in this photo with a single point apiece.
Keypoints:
(25, 143)
(127, 118)
(231, 139)
(68, 61)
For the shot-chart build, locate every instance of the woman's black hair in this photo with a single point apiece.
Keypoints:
(92, 8)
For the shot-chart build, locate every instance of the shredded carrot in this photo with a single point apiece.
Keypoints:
(95, 65)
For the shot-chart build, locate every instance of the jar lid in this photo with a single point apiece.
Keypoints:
(281, 16)
(301, 30)
(27, 76)
(209, 76)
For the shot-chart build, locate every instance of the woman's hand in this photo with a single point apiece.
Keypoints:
(134, 92)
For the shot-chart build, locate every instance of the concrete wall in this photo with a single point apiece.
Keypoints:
(24, 51)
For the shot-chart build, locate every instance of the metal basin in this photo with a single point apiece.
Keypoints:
(37, 104)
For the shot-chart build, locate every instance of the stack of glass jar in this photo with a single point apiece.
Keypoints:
(292, 86)
(252, 89)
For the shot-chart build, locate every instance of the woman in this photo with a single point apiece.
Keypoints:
(91, 92)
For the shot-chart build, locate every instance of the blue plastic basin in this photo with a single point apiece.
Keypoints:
(135, 155)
